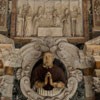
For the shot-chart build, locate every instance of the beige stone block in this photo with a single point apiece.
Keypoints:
(92, 49)
(97, 72)
(51, 31)
(8, 46)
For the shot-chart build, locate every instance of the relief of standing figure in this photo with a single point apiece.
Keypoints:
(66, 22)
(20, 23)
(97, 9)
(21, 20)
(55, 18)
(74, 18)
(28, 24)
(24, 14)
(2, 12)
(37, 20)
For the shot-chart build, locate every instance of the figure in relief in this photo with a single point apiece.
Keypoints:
(79, 30)
(66, 23)
(37, 20)
(66, 16)
(24, 14)
(97, 9)
(74, 18)
(55, 18)
(48, 22)
(2, 12)
(20, 23)
(48, 75)
(24, 20)
(28, 24)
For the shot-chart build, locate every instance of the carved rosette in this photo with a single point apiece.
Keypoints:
(63, 51)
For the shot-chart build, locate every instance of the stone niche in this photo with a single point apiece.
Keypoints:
(70, 62)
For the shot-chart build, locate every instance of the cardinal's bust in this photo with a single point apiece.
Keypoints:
(48, 74)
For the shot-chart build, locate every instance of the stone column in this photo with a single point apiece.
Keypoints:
(90, 95)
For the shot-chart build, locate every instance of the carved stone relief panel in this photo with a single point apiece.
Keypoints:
(96, 15)
(63, 15)
(3, 15)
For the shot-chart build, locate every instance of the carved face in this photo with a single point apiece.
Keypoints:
(48, 59)
(55, 13)
(40, 10)
(66, 11)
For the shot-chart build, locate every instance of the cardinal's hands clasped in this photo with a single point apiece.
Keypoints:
(49, 80)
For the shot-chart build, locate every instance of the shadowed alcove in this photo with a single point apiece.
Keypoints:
(61, 70)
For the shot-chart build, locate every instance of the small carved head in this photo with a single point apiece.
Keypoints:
(54, 12)
(40, 10)
(66, 11)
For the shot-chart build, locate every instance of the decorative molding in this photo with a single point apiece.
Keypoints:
(62, 51)
(78, 39)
